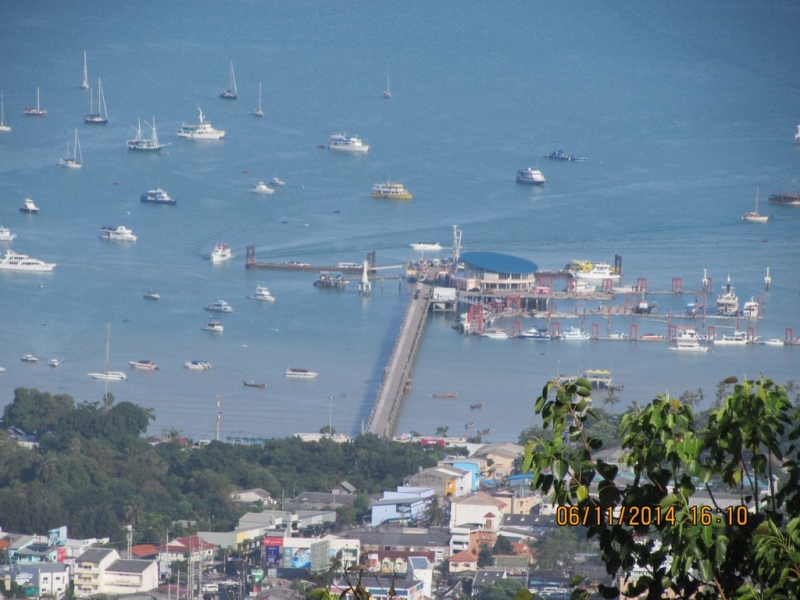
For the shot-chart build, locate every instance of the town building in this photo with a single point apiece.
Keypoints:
(102, 571)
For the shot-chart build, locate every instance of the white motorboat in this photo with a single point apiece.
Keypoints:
(72, 159)
(584, 269)
(262, 188)
(157, 196)
(230, 93)
(535, 333)
(119, 233)
(299, 373)
(214, 326)
(151, 295)
(774, 342)
(391, 190)
(142, 143)
(200, 131)
(21, 262)
(28, 207)
(101, 116)
(258, 112)
(728, 302)
(220, 306)
(738, 338)
(3, 125)
(751, 309)
(197, 365)
(344, 143)
(108, 375)
(221, 252)
(530, 176)
(53, 362)
(426, 247)
(755, 216)
(573, 333)
(29, 358)
(143, 365)
(687, 340)
(276, 181)
(262, 293)
(6, 235)
(35, 112)
(495, 334)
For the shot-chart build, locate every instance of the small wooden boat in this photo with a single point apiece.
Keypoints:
(484, 431)
(450, 395)
(475, 406)
(254, 384)
(469, 424)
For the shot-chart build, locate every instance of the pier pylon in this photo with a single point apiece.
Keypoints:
(365, 287)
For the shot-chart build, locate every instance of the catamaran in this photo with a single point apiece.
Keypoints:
(3, 125)
(101, 116)
(230, 93)
(73, 160)
(140, 143)
(85, 82)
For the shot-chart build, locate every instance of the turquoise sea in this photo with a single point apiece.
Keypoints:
(683, 109)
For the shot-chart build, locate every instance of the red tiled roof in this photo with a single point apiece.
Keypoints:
(464, 556)
(144, 550)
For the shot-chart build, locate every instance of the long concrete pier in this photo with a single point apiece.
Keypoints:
(397, 375)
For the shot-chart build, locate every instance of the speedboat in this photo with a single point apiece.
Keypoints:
(214, 326)
(144, 365)
(534, 333)
(495, 334)
(21, 262)
(651, 337)
(391, 190)
(119, 233)
(687, 340)
(299, 373)
(200, 131)
(573, 333)
(530, 175)
(262, 293)
(262, 188)
(220, 306)
(345, 143)
(738, 338)
(28, 207)
(6, 235)
(774, 342)
(728, 302)
(151, 295)
(53, 362)
(29, 358)
(157, 196)
(584, 269)
(221, 252)
(109, 376)
(426, 247)
(276, 181)
(197, 365)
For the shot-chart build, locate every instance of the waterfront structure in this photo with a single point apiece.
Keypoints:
(491, 272)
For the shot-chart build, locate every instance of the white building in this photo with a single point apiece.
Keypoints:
(101, 571)
(50, 579)
(406, 504)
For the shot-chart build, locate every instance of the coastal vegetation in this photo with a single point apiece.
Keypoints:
(95, 472)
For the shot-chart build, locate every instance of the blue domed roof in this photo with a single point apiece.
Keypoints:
(499, 263)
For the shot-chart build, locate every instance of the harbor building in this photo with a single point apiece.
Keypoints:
(494, 273)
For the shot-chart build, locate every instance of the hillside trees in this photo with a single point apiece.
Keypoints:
(684, 546)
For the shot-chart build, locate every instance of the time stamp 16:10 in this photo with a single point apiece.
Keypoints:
(646, 516)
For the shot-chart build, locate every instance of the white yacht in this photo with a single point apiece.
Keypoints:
(151, 295)
(573, 333)
(141, 143)
(687, 340)
(72, 159)
(728, 302)
(6, 235)
(143, 365)
(157, 196)
(495, 334)
(426, 247)
(200, 131)
(220, 306)
(262, 188)
(214, 326)
(28, 207)
(221, 252)
(197, 365)
(109, 376)
(29, 358)
(119, 233)
(531, 176)
(345, 143)
(299, 373)
(53, 362)
(21, 262)
(584, 269)
(751, 309)
(262, 293)
(276, 181)
(395, 191)
(101, 116)
(738, 338)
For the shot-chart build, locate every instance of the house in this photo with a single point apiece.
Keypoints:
(101, 571)
(409, 587)
(252, 495)
(476, 466)
(319, 500)
(463, 561)
(346, 551)
(44, 579)
(144, 551)
(414, 540)
(345, 487)
(478, 508)
(446, 481)
(503, 457)
(407, 504)
(389, 562)
(193, 548)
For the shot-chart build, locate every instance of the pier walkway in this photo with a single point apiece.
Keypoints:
(397, 375)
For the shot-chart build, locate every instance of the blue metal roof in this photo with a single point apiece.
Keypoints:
(499, 263)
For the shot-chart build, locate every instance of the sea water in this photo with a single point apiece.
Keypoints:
(683, 110)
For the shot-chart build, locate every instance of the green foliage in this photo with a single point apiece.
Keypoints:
(502, 589)
(485, 556)
(503, 546)
(689, 550)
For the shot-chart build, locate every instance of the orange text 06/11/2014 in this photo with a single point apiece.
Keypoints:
(647, 516)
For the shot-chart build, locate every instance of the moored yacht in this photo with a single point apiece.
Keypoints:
(391, 190)
(6, 235)
(299, 373)
(220, 306)
(157, 196)
(277, 181)
(262, 188)
(737, 338)
(262, 293)
(29, 358)
(28, 207)
(751, 309)
(119, 233)
(573, 333)
(21, 262)
(141, 143)
(143, 365)
(535, 333)
(214, 326)
(345, 143)
(728, 302)
(109, 376)
(203, 130)
(221, 252)
(35, 112)
(151, 295)
(687, 340)
(197, 365)
(531, 176)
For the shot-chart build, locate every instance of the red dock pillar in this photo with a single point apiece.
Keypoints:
(788, 336)
(634, 332)
(516, 330)
(555, 332)
(641, 285)
(677, 285)
(595, 331)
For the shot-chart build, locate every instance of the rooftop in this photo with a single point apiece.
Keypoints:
(499, 263)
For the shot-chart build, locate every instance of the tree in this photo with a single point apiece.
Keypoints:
(434, 515)
(703, 552)
(502, 589)
(503, 546)
(441, 431)
(485, 557)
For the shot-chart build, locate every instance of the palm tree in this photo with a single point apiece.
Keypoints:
(689, 398)
(441, 431)
(611, 398)
(47, 465)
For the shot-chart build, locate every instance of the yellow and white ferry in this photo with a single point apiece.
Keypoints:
(391, 190)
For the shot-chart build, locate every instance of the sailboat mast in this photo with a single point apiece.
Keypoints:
(85, 82)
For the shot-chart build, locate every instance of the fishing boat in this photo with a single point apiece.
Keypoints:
(258, 112)
(74, 159)
(262, 188)
(687, 340)
(35, 112)
(344, 143)
(29, 207)
(469, 424)
(203, 130)
(395, 191)
(3, 125)
(448, 395)
(221, 253)
(484, 431)
(141, 143)
(6, 235)
(101, 116)
(151, 295)
(299, 373)
(85, 81)
(252, 383)
(387, 93)
(143, 365)
(755, 216)
(108, 375)
(230, 93)
(728, 302)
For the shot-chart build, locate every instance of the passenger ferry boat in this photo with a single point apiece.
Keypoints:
(119, 233)
(343, 143)
(200, 131)
(221, 252)
(395, 191)
(157, 196)
(728, 302)
(583, 269)
(21, 262)
(144, 365)
(140, 143)
(531, 176)
(738, 338)
(109, 376)
(220, 306)
(6, 235)
(28, 207)
(687, 340)
(197, 365)
(299, 373)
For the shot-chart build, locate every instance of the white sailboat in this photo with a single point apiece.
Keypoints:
(108, 375)
(141, 143)
(101, 116)
(387, 93)
(73, 160)
(230, 93)
(35, 112)
(258, 112)
(85, 83)
(3, 125)
(755, 216)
